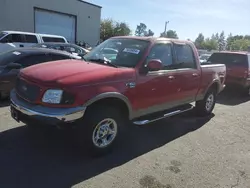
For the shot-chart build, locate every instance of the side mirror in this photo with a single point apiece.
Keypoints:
(11, 66)
(154, 65)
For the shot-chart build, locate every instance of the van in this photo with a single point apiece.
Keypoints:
(238, 68)
(17, 39)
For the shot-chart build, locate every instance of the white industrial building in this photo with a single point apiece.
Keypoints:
(76, 20)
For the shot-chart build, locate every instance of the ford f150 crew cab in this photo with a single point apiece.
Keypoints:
(146, 80)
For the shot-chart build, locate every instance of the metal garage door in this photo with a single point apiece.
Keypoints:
(47, 22)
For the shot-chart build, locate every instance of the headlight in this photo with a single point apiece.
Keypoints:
(52, 96)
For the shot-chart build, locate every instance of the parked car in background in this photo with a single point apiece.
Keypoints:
(10, 40)
(238, 68)
(71, 48)
(204, 57)
(12, 61)
(149, 79)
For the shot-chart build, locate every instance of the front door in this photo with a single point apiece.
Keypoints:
(157, 90)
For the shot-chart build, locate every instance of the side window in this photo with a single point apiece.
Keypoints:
(11, 38)
(33, 60)
(55, 57)
(162, 52)
(53, 39)
(184, 56)
(31, 39)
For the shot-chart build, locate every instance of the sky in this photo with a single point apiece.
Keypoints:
(187, 17)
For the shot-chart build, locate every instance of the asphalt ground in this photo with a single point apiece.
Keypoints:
(179, 152)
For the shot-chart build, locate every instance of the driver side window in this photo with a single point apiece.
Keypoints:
(162, 52)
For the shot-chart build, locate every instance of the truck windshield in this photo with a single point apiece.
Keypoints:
(2, 34)
(122, 52)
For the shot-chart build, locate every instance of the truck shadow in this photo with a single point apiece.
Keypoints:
(49, 158)
(232, 97)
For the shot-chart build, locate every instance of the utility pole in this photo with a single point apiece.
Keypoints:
(166, 23)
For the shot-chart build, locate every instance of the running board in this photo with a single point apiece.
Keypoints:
(166, 115)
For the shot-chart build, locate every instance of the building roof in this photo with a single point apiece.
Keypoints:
(90, 3)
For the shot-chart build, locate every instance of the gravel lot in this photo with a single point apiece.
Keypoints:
(181, 152)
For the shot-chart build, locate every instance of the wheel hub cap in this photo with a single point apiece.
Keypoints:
(209, 102)
(104, 133)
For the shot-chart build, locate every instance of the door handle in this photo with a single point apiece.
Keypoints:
(195, 75)
(21, 45)
(171, 77)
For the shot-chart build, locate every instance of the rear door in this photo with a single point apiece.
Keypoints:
(187, 72)
(30, 40)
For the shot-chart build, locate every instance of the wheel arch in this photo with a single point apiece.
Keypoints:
(114, 99)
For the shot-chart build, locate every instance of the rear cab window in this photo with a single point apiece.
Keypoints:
(229, 59)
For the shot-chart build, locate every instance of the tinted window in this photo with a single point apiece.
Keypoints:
(217, 58)
(130, 51)
(9, 57)
(33, 60)
(11, 38)
(53, 39)
(229, 59)
(31, 39)
(184, 56)
(162, 52)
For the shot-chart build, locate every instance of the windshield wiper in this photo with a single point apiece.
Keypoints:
(104, 61)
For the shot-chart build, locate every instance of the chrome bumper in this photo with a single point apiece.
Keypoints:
(42, 112)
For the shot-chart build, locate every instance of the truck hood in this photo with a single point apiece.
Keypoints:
(75, 73)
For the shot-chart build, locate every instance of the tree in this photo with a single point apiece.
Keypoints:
(240, 44)
(199, 41)
(170, 34)
(221, 41)
(141, 29)
(210, 44)
(149, 33)
(121, 29)
(110, 28)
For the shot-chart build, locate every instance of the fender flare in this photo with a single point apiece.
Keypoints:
(111, 95)
(215, 81)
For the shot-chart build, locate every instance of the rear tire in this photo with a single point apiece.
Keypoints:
(100, 129)
(206, 106)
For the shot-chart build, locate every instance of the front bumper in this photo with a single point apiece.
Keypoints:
(27, 112)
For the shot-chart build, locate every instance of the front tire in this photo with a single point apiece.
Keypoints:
(100, 129)
(206, 106)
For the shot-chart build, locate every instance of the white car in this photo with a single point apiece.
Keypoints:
(16, 39)
(204, 57)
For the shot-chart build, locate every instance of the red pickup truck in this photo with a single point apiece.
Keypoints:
(141, 80)
(238, 68)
